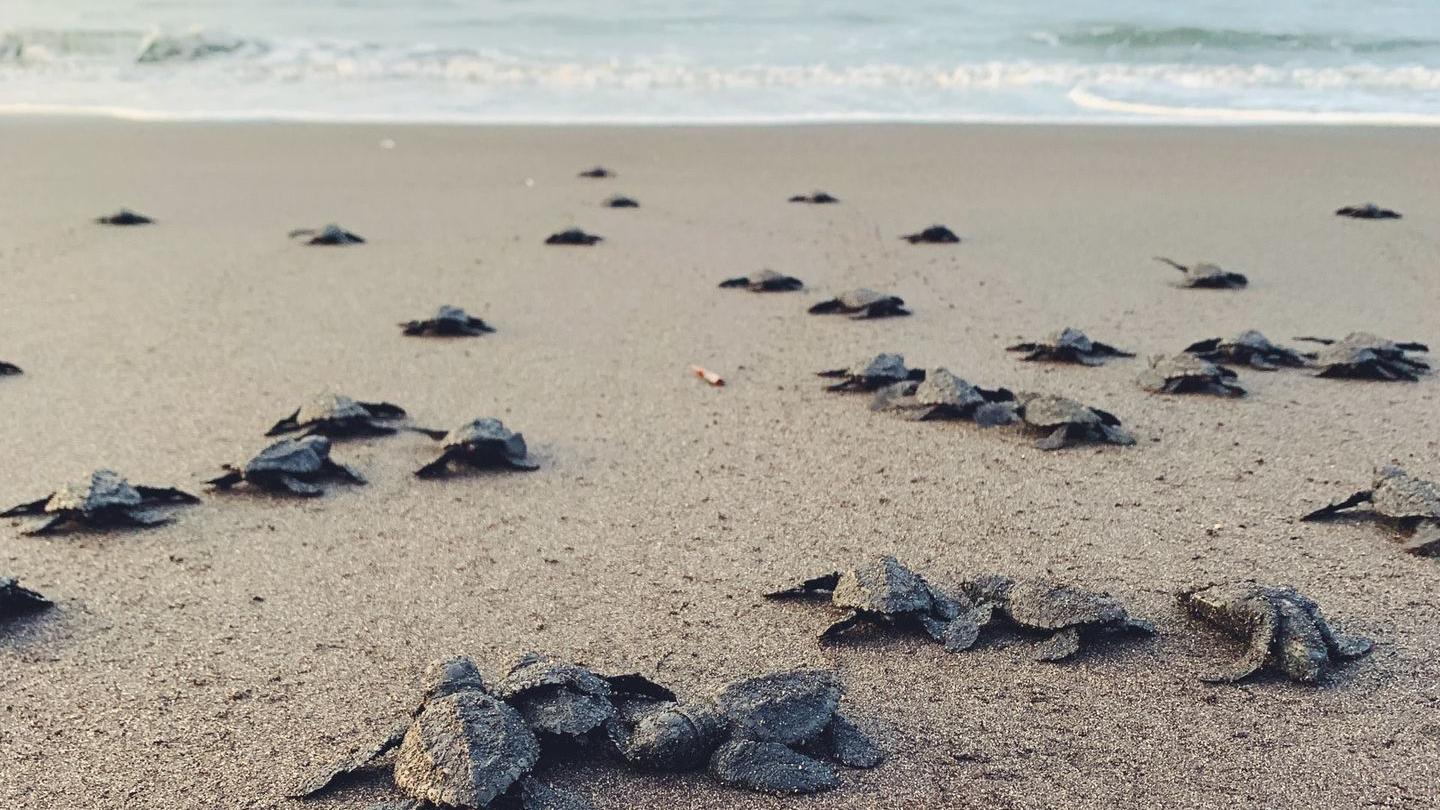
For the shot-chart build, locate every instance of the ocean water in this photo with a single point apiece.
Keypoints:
(718, 61)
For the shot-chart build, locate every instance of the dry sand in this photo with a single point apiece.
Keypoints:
(162, 680)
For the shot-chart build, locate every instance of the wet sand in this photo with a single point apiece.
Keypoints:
(216, 661)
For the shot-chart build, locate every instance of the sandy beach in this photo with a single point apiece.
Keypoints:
(217, 661)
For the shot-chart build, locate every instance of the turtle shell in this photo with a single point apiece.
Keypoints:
(942, 388)
(1051, 411)
(488, 431)
(1050, 606)
(301, 456)
(784, 707)
(1402, 496)
(883, 586)
(465, 750)
(104, 489)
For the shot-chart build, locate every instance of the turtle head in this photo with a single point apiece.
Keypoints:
(451, 676)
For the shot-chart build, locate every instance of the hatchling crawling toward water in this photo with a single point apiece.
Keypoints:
(17, 600)
(330, 235)
(7, 369)
(103, 500)
(573, 236)
(942, 395)
(1189, 374)
(124, 217)
(338, 416)
(1363, 356)
(818, 198)
(597, 173)
(765, 281)
(1063, 422)
(882, 370)
(297, 466)
(1206, 276)
(1410, 504)
(1249, 348)
(1367, 211)
(933, 235)
(862, 303)
(1069, 346)
(1066, 613)
(483, 443)
(448, 321)
(1284, 629)
(620, 201)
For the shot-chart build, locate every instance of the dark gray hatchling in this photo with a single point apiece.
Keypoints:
(1410, 504)
(597, 173)
(1363, 356)
(295, 466)
(933, 235)
(942, 395)
(462, 747)
(1063, 422)
(1366, 211)
(338, 416)
(882, 370)
(17, 600)
(574, 237)
(124, 217)
(1188, 374)
(862, 303)
(1249, 348)
(1206, 276)
(620, 201)
(764, 281)
(566, 702)
(1285, 631)
(1069, 345)
(103, 500)
(448, 321)
(884, 592)
(483, 444)
(818, 198)
(8, 369)
(330, 235)
(1065, 613)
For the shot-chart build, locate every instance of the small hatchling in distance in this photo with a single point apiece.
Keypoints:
(933, 235)
(1285, 631)
(942, 395)
(103, 500)
(339, 416)
(621, 201)
(1066, 614)
(1206, 276)
(1063, 422)
(1188, 374)
(1410, 504)
(573, 236)
(483, 444)
(124, 217)
(297, 466)
(764, 281)
(329, 235)
(448, 321)
(862, 303)
(597, 173)
(1367, 211)
(461, 747)
(1363, 356)
(1069, 346)
(882, 370)
(818, 198)
(17, 600)
(566, 702)
(8, 369)
(1249, 348)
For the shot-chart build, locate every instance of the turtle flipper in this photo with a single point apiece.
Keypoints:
(1057, 439)
(1426, 540)
(32, 508)
(738, 281)
(536, 795)
(1262, 641)
(838, 627)
(769, 767)
(1060, 645)
(286, 425)
(825, 583)
(295, 486)
(142, 518)
(846, 744)
(437, 468)
(1351, 502)
(357, 760)
(346, 472)
(166, 495)
(50, 526)
(826, 307)
(1178, 266)
(226, 481)
(383, 410)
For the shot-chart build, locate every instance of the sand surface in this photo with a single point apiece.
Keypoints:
(214, 662)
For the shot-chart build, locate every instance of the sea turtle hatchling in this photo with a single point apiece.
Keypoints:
(483, 444)
(1366, 211)
(599, 172)
(1188, 374)
(573, 236)
(1249, 348)
(566, 701)
(862, 303)
(332, 235)
(1410, 504)
(448, 321)
(1069, 345)
(124, 217)
(817, 198)
(339, 416)
(1363, 356)
(933, 235)
(620, 201)
(878, 372)
(462, 747)
(1284, 629)
(884, 592)
(17, 600)
(102, 500)
(942, 395)
(1206, 276)
(1066, 613)
(1063, 422)
(9, 369)
(296, 466)
(765, 281)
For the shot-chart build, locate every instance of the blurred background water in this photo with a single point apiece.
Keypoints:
(725, 60)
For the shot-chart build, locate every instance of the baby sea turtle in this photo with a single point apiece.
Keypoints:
(296, 466)
(1249, 348)
(7, 369)
(1064, 422)
(942, 395)
(596, 173)
(483, 443)
(16, 600)
(818, 198)
(620, 201)
(462, 747)
(1068, 614)
(328, 235)
(339, 416)
(1069, 346)
(1206, 276)
(573, 236)
(103, 500)
(448, 321)
(1409, 503)
(1361, 355)
(1367, 211)
(933, 235)
(884, 592)
(765, 281)
(1285, 630)
(862, 303)
(1188, 374)
(882, 370)
(124, 217)
(568, 701)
